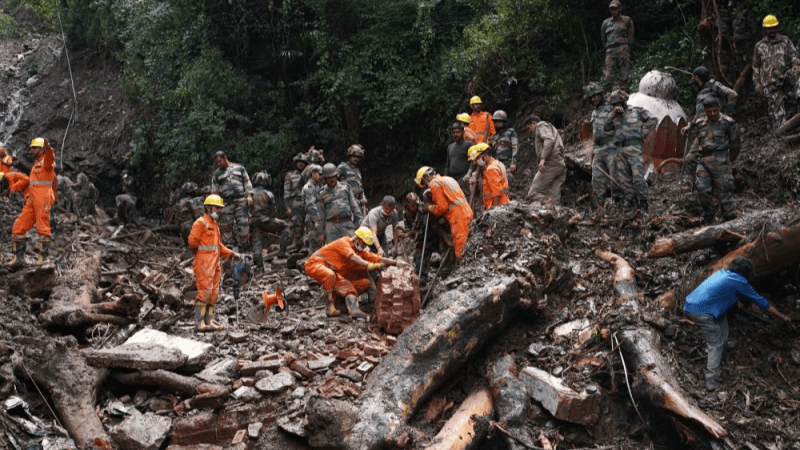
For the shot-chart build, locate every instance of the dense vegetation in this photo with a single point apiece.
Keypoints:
(265, 79)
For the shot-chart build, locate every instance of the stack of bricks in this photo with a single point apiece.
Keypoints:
(397, 303)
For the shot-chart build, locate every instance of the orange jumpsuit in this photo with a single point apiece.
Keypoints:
(470, 135)
(5, 161)
(482, 125)
(39, 199)
(449, 200)
(332, 267)
(17, 182)
(495, 184)
(205, 241)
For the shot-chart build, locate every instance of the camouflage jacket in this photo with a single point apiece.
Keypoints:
(351, 175)
(714, 89)
(633, 125)
(339, 204)
(717, 136)
(264, 206)
(617, 31)
(189, 209)
(505, 145)
(311, 192)
(293, 188)
(600, 114)
(84, 188)
(457, 163)
(232, 183)
(773, 61)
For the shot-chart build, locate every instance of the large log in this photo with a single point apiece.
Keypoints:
(728, 232)
(204, 394)
(448, 334)
(467, 426)
(511, 401)
(57, 367)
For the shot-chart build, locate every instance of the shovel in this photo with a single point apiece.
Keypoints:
(259, 313)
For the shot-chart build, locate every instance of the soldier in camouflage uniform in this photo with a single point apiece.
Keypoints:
(617, 33)
(505, 144)
(231, 182)
(630, 126)
(66, 194)
(717, 134)
(293, 198)
(188, 209)
(709, 88)
(311, 190)
(775, 67)
(315, 156)
(351, 174)
(604, 154)
(263, 219)
(126, 202)
(338, 209)
(85, 195)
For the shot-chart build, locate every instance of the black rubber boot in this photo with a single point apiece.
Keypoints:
(331, 305)
(44, 249)
(18, 247)
(352, 308)
(643, 205)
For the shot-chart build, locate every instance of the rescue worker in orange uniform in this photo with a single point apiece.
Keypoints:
(5, 160)
(448, 200)
(480, 121)
(342, 266)
(495, 180)
(205, 242)
(38, 201)
(469, 135)
(14, 182)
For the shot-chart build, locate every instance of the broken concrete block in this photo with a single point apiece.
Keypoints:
(562, 402)
(221, 371)
(238, 337)
(250, 368)
(141, 431)
(292, 426)
(254, 430)
(246, 394)
(208, 426)
(275, 383)
(198, 353)
(142, 356)
(322, 363)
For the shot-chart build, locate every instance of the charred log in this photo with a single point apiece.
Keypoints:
(204, 394)
(511, 401)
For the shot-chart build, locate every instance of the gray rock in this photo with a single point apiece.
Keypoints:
(275, 383)
(141, 431)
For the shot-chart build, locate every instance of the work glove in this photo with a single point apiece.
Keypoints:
(374, 266)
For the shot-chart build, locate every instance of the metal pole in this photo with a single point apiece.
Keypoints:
(424, 242)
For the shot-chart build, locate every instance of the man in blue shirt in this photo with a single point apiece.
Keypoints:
(707, 306)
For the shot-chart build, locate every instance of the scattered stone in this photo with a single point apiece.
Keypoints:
(254, 430)
(292, 426)
(141, 431)
(250, 368)
(246, 394)
(140, 355)
(218, 372)
(198, 353)
(238, 337)
(322, 363)
(275, 383)
(239, 437)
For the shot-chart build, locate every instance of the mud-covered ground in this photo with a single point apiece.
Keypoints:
(761, 371)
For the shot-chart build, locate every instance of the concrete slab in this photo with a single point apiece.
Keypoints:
(561, 401)
(142, 356)
(141, 431)
(198, 353)
(275, 383)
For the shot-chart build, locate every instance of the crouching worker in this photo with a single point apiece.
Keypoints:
(707, 306)
(342, 266)
(205, 243)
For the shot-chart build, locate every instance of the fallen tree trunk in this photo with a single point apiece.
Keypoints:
(732, 231)
(467, 426)
(789, 125)
(57, 367)
(72, 301)
(434, 348)
(511, 401)
(624, 283)
(204, 394)
(654, 382)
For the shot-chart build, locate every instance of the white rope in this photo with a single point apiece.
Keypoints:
(74, 94)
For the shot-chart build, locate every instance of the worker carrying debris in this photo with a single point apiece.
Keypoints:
(775, 69)
(342, 266)
(39, 198)
(206, 244)
(6, 160)
(707, 306)
(448, 200)
(495, 180)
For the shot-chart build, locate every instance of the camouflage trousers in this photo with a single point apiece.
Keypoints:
(235, 215)
(776, 94)
(618, 62)
(715, 177)
(312, 235)
(604, 165)
(84, 206)
(546, 184)
(630, 168)
(509, 176)
(298, 222)
(259, 227)
(186, 230)
(334, 230)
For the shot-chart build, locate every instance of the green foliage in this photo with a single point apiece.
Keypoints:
(8, 26)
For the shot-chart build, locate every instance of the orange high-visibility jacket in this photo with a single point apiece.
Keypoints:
(495, 184)
(449, 201)
(17, 182)
(332, 267)
(205, 241)
(39, 197)
(5, 161)
(482, 125)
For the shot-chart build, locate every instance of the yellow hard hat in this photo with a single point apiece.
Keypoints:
(420, 173)
(38, 142)
(214, 200)
(474, 100)
(2, 174)
(477, 150)
(464, 117)
(770, 21)
(365, 234)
